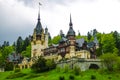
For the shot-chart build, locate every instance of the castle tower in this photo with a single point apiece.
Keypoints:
(46, 37)
(39, 39)
(71, 38)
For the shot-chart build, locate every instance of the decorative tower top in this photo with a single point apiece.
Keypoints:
(71, 32)
(70, 24)
(39, 26)
(61, 33)
(46, 30)
(39, 11)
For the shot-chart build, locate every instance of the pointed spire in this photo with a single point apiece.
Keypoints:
(70, 24)
(39, 28)
(46, 30)
(71, 32)
(39, 12)
(61, 33)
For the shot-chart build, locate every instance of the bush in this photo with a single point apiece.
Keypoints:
(39, 65)
(66, 68)
(71, 77)
(58, 69)
(93, 77)
(50, 64)
(9, 66)
(16, 75)
(109, 78)
(61, 78)
(76, 70)
(109, 60)
(17, 70)
(42, 65)
(33, 76)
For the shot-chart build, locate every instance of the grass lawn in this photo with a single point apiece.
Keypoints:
(27, 74)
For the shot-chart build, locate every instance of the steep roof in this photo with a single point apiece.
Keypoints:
(38, 26)
(71, 32)
(90, 44)
(63, 38)
(80, 42)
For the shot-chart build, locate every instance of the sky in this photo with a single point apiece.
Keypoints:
(19, 17)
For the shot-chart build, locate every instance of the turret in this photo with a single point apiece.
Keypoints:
(71, 38)
(71, 32)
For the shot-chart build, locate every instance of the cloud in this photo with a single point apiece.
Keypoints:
(15, 20)
(19, 17)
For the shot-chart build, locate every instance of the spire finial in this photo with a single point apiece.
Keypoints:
(70, 24)
(39, 11)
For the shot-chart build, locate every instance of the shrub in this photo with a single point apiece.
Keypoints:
(58, 69)
(109, 60)
(39, 65)
(17, 70)
(71, 77)
(33, 76)
(61, 78)
(76, 70)
(66, 68)
(109, 78)
(93, 77)
(16, 75)
(9, 66)
(50, 64)
(42, 65)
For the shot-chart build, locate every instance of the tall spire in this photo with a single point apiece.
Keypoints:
(71, 32)
(70, 24)
(39, 26)
(39, 11)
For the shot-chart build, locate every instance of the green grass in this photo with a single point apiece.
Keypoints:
(27, 74)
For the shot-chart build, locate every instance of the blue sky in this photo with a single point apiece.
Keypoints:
(19, 17)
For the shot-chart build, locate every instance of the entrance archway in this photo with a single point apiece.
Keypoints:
(93, 66)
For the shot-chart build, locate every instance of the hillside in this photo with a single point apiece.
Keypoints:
(54, 75)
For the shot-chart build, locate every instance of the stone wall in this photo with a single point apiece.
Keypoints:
(84, 64)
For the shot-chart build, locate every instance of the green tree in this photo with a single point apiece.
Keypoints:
(108, 43)
(9, 66)
(116, 36)
(118, 64)
(99, 50)
(26, 43)
(56, 39)
(42, 65)
(94, 32)
(39, 65)
(6, 51)
(27, 52)
(109, 60)
(49, 39)
(50, 64)
(2, 61)
(89, 36)
(19, 44)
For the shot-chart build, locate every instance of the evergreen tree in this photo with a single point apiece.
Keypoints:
(89, 36)
(108, 43)
(117, 40)
(26, 43)
(6, 43)
(19, 44)
(78, 33)
(94, 32)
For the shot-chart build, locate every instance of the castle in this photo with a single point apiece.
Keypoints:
(67, 48)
